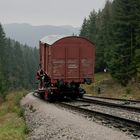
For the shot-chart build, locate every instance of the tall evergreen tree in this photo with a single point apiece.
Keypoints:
(2, 60)
(124, 28)
(92, 26)
(103, 37)
(84, 29)
(107, 31)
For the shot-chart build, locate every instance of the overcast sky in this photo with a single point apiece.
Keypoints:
(47, 12)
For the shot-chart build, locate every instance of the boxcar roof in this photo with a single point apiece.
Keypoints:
(52, 38)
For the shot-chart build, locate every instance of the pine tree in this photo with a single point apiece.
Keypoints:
(2, 60)
(106, 31)
(92, 26)
(100, 59)
(84, 29)
(103, 37)
(124, 28)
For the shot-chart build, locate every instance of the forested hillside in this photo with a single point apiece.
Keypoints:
(116, 32)
(18, 64)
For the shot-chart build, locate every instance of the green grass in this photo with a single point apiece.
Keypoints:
(101, 76)
(12, 123)
(110, 88)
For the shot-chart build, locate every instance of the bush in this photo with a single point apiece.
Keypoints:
(128, 90)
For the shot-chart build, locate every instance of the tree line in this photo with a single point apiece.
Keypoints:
(116, 32)
(18, 64)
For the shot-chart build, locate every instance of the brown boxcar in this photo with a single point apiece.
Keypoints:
(69, 60)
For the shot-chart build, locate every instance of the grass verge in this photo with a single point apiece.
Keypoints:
(110, 88)
(12, 123)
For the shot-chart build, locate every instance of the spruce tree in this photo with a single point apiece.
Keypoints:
(84, 29)
(124, 29)
(92, 26)
(2, 60)
(103, 37)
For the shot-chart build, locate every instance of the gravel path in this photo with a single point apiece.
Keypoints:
(49, 122)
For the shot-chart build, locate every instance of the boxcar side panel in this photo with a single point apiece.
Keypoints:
(42, 54)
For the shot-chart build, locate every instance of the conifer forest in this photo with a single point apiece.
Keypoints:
(18, 64)
(116, 32)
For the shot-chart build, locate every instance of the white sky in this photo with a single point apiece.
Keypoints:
(47, 12)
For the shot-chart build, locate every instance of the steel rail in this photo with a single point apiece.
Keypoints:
(109, 104)
(115, 99)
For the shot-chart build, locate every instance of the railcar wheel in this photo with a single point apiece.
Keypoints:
(80, 95)
(81, 92)
(42, 95)
(74, 97)
(49, 95)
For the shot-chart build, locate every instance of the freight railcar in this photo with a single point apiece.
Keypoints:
(64, 65)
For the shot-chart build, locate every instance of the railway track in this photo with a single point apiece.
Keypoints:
(114, 100)
(110, 118)
(116, 103)
(125, 119)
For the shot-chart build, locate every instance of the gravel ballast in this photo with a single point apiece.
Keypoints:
(119, 112)
(46, 121)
